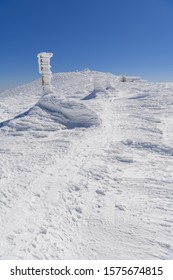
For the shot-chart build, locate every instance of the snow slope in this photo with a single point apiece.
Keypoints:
(86, 172)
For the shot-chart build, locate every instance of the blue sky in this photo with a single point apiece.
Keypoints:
(133, 37)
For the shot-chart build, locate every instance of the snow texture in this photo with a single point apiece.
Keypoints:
(86, 171)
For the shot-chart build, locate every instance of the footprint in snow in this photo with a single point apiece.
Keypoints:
(10, 239)
(79, 210)
(120, 207)
(100, 192)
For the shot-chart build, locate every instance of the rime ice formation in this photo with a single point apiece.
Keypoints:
(44, 70)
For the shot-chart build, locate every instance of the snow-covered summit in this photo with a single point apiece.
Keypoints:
(86, 171)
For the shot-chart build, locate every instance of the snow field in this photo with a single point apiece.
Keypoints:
(86, 172)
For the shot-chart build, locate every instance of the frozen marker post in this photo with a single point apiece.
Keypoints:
(44, 69)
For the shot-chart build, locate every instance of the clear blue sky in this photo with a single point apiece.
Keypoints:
(133, 37)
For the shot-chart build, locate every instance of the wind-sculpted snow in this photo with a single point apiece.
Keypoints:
(86, 171)
(152, 147)
(48, 114)
(22, 115)
(71, 114)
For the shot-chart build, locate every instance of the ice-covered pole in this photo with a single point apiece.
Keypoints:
(44, 69)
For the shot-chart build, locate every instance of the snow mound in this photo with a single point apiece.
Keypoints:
(51, 114)
(71, 114)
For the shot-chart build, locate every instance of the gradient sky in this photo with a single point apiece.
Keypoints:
(131, 37)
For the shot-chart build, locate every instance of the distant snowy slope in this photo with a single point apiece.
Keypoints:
(14, 101)
(86, 172)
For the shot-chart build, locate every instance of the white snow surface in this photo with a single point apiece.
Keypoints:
(86, 172)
